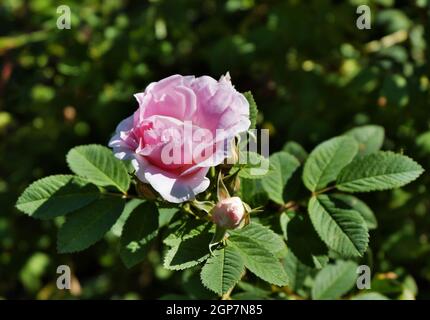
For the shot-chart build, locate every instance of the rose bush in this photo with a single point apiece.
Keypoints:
(244, 220)
(212, 111)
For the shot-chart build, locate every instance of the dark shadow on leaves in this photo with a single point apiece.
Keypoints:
(192, 249)
(305, 243)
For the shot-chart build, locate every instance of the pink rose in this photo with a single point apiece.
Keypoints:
(183, 126)
(228, 213)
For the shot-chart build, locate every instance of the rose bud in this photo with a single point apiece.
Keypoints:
(228, 213)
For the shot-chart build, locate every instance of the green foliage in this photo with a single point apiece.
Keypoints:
(188, 253)
(86, 226)
(258, 259)
(296, 150)
(334, 280)
(327, 160)
(56, 196)
(262, 234)
(99, 166)
(343, 230)
(139, 230)
(348, 201)
(60, 89)
(296, 270)
(223, 270)
(128, 209)
(282, 167)
(252, 192)
(379, 171)
(250, 292)
(341, 221)
(370, 138)
(254, 166)
(184, 230)
(299, 230)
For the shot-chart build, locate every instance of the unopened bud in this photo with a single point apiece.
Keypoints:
(228, 213)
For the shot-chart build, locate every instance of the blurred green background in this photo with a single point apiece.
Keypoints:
(313, 73)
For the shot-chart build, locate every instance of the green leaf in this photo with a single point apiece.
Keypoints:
(223, 270)
(299, 230)
(296, 150)
(55, 196)
(327, 160)
(98, 164)
(192, 285)
(252, 165)
(350, 202)
(370, 138)
(184, 230)
(189, 252)
(259, 260)
(282, 167)
(252, 291)
(253, 110)
(334, 280)
(88, 225)
(128, 209)
(252, 192)
(139, 231)
(379, 171)
(296, 271)
(166, 215)
(263, 235)
(343, 230)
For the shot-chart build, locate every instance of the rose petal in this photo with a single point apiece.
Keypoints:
(171, 187)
